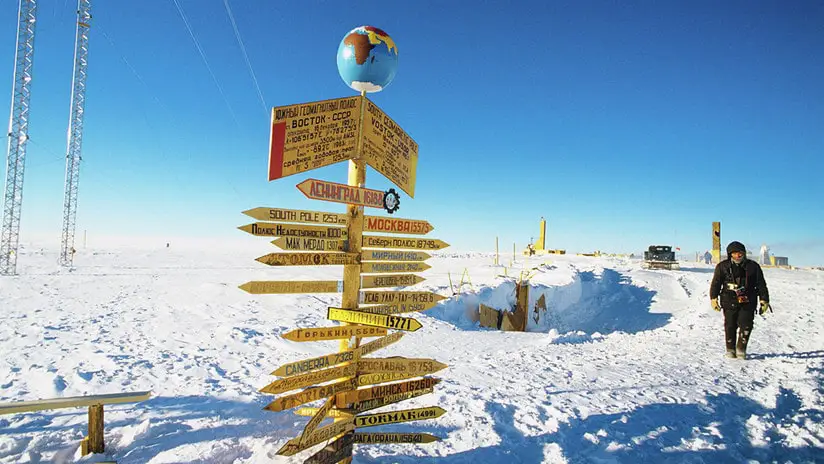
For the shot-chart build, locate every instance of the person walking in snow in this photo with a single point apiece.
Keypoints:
(707, 257)
(738, 281)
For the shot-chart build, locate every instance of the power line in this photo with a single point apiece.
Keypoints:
(245, 56)
(205, 61)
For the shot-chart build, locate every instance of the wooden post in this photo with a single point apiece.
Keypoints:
(94, 442)
(496, 251)
(716, 242)
(351, 272)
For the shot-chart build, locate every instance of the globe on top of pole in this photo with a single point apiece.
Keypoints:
(367, 59)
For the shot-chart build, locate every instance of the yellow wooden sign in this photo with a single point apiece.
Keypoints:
(394, 255)
(390, 389)
(311, 394)
(399, 297)
(403, 243)
(377, 438)
(381, 377)
(340, 332)
(316, 420)
(307, 365)
(256, 287)
(310, 378)
(392, 266)
(378, 320)
(380, 343)
(390, 280)
(298, 444)
(375, 403)
(308, 136)
(399, 308)
(334, 452)
(393, 225)
(411, 366)
(296, 215)
(335, 413)
(395, 417)
(273, 229)
(309, 259)
(341, 193)
(388, 149)
(310, 244)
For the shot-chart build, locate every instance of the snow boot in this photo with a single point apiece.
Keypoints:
(730, 353)
(741, 354)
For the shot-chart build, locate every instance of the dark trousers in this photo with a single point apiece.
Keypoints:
(738, 322)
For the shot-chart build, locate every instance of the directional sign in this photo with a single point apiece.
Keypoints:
(317, 419)
(300, 367)
(379, 241)
(393, 266)
(342, 193)
(333, 452)
(395, 308)
(381, 377)
(395, 225)
(296, 445)
(332, 413)
(292, 286)
(310, 378)
(401, 297)
(390, 389)
(311, 394)
(272, 229)
(376, 403)
(376, 438)
(394, 255)
(395, 417)
(309, 259)
(380, 343)
(310, 244)
(296, 215)
(379, 320)
(391, 280)
(411, 366)
(312, 135)
(340, 332)
(388, 149)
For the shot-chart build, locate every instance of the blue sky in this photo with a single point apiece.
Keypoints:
(623, 125)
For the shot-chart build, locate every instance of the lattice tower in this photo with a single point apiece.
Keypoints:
(18, 137)
(75, 137)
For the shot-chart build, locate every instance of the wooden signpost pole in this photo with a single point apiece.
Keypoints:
(351, 272)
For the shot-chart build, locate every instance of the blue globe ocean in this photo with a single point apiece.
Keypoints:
(367, 59)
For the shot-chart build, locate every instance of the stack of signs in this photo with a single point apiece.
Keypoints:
(348, 385)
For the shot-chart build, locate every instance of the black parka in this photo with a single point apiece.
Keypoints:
(747, 274)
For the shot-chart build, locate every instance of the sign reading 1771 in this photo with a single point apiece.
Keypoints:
(313, 135)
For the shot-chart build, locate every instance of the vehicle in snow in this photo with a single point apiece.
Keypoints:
(660, 257)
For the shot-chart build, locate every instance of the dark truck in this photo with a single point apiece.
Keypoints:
(660, 257)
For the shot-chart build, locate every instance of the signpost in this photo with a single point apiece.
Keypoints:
(351, 195)
(292, 286)
(310, 244)
(378, 320)
(388, 149)
(309, 136)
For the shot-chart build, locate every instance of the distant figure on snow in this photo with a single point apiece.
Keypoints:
(738, 281)
(707, 257)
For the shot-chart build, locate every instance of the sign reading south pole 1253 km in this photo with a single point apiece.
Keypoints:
(388, 149)
(312, 135)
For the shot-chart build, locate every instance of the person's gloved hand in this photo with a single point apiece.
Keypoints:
(765, 305)
(715, 306)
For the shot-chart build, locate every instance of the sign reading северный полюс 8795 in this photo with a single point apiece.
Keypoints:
(312, 135)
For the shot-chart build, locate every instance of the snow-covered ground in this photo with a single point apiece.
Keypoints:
(626, 365)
